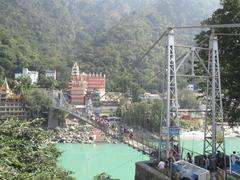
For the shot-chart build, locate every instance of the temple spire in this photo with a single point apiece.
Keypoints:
(75, 70)
(5, 87)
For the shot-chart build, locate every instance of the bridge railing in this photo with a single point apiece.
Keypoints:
(141, 139)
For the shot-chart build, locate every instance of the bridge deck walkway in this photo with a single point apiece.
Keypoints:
(135, 141)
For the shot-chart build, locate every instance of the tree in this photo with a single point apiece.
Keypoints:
(37, 102)
(47, 83)
(103, 176)
(26, 152)
(21, 84)
(145, 114)
(229, 56)
(187, 99)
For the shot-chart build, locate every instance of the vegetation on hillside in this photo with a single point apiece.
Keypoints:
(147, 115)
(110, 37)
(37, 103)
(188, 100)
(102, 36)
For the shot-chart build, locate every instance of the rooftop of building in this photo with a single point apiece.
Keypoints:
(149, 96)
(50, 71)
(76, 72)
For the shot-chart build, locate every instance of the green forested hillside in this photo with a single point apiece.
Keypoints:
(105, 36)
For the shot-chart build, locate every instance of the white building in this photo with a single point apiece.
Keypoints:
(150, 97)
(190, 87)
(33, 75)
(51, 73)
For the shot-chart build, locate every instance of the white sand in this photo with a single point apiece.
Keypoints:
(199, 135)
(192, 135)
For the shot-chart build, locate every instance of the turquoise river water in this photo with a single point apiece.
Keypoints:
(118, 160)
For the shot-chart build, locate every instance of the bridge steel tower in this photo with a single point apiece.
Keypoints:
(214, 130)
(170, 135)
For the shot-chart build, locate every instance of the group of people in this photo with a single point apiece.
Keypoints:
(112, 127)
(206, 161)
(219, 159)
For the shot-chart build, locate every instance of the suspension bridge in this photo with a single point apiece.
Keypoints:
(167, 142)
(145, 142)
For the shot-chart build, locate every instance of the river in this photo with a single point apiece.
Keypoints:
(118, 160)
(87, 160)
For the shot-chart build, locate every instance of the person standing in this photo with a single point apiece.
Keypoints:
(233, 157)
(161, 165)
(189, 158)
(206, 162)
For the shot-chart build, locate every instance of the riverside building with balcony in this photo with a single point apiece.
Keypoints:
(11, 105)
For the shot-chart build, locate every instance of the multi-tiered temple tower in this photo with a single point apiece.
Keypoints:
(82, 83)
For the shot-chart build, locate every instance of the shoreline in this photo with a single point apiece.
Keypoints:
(199, 135)
(74, 132)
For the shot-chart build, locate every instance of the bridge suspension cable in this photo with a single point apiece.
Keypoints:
(208, 26)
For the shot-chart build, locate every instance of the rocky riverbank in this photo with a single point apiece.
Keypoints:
(76, 133)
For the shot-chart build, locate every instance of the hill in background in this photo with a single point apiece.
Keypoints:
(106, 36)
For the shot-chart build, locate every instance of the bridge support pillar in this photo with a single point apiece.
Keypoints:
(56, 118)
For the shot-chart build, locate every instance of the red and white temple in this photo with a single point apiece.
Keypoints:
(82, 83)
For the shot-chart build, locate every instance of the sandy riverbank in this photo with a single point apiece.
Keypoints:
(199, 135)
